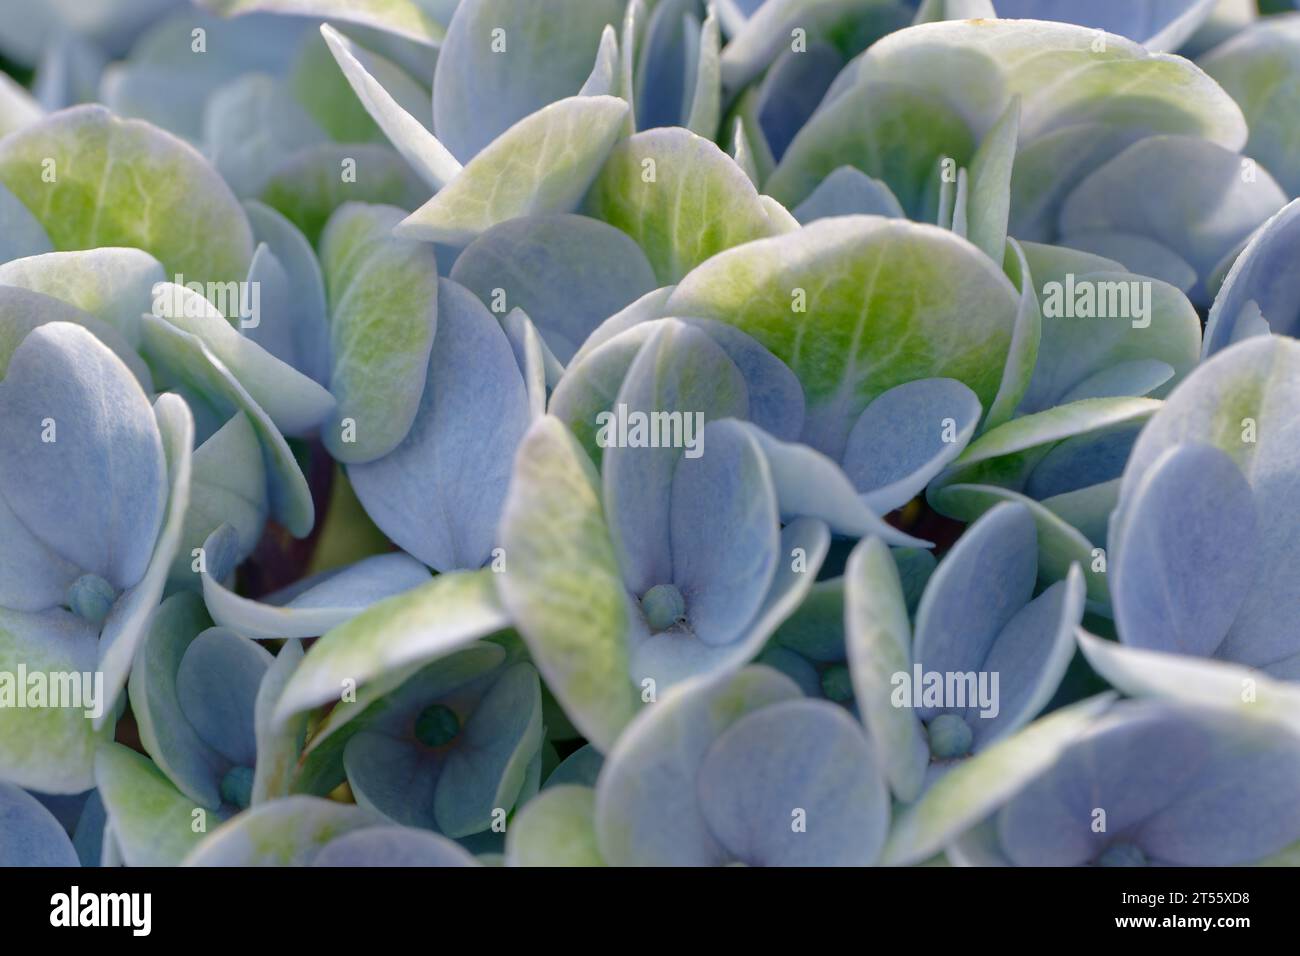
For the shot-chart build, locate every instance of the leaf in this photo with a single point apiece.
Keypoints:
(394, 635)
(405, 18)
(895, 134)
(152, 821)
(557, 828)
(294, 402)
(865, 324)
(878, 640)
(680, 197)
(187, 217)
(48, 749)
(200, 372)
(408, 135)
(113, 285)
(545, 163)
(383, 299)
(313, 605)
(562, 585)
(309, 185)
(286, 832)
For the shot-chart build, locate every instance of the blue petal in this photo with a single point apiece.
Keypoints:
(809, 484)
(724, 533)
(216, 687)
(976, 590)
(647, 813)
(795, 784)
(480, 92)
(1186, 557)
(458, 453)
(393, 846)
(1030, 656)
(95, 495)
(679, 369)
(901, 440)
(297, 333)
(486, 767)
(29, 834)
(569, 273)
(1265, 274)
(315, 605)
(848, 191)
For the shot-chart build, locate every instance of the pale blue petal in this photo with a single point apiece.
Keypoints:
(439, 493)
(795, 784)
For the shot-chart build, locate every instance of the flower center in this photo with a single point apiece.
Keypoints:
(91, 597)
(950, 736)
(237, 786)
(837, 684)
(664, 606)
(1122, 854)
(437, 725)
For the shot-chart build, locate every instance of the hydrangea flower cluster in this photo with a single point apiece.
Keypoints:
(649, 432)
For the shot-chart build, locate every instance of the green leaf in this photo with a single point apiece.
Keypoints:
(188, 360)
(562, 584)
(544, 163)
(310, 184)
(285, 832)
(154, 823)
(878, 639)
(392, 637)
(555, 828)
(48, 749)
(383, 301)
(680, 197)
(892, 133)
(405, 18)
(95, 180)
(365, 72)
(989, 201)
(113, 285)
(857, 305)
